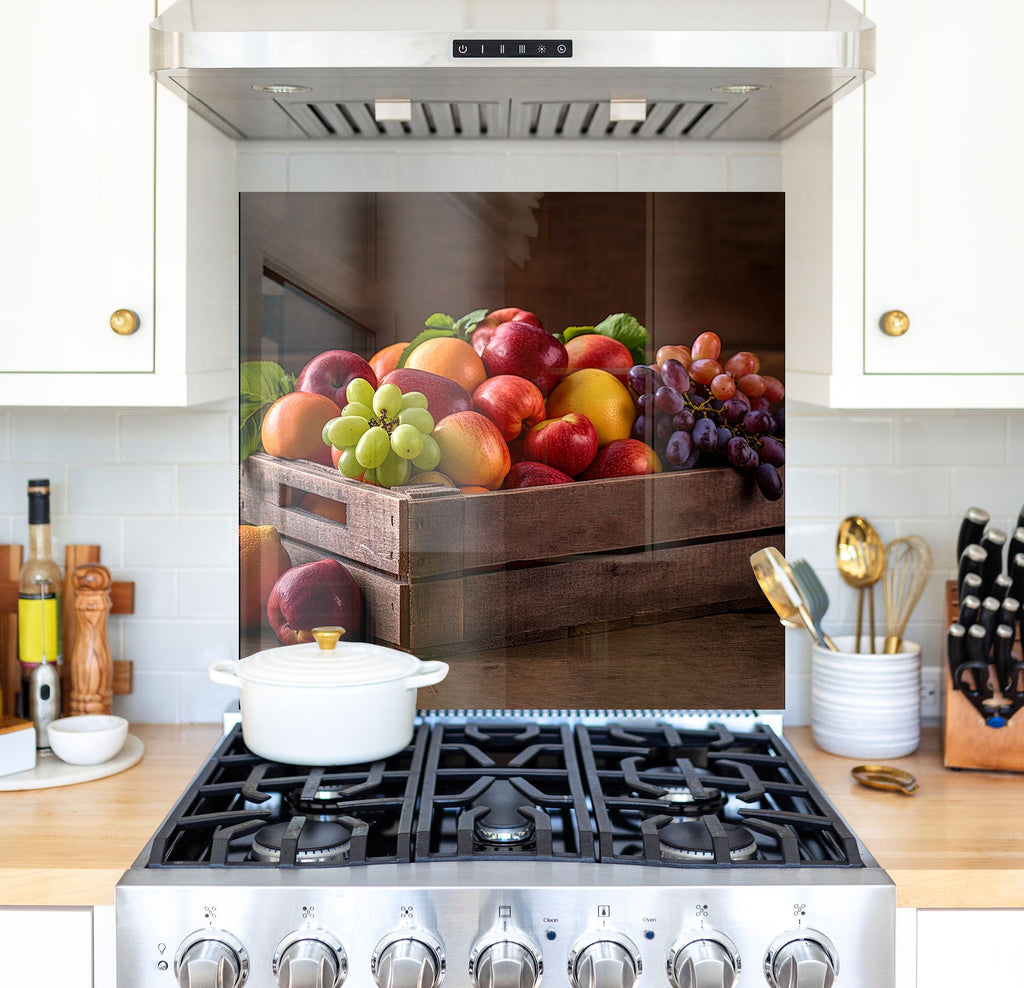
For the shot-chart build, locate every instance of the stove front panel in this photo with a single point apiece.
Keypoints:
(555, 917)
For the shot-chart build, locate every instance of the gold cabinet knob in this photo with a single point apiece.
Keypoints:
(895, 323)
(124, 322)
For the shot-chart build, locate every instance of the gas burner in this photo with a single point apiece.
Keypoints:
(326, 803)
(682, 802)
(691, 841)
(502, 824)
(318, 843)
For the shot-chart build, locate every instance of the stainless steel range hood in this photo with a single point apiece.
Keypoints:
(529, 69)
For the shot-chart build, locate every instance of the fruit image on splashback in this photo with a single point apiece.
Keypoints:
(538, 435)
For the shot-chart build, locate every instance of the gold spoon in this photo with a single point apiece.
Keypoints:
(860, 559)
(776, 581)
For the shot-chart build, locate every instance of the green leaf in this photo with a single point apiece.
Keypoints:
(571, 332)
(467, 323)
(439, 321)
(264, 380)
(427, 334)
(260, 384)
(627, 330)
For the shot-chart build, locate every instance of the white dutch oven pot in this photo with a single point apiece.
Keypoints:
(325, 702)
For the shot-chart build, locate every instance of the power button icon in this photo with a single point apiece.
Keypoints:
(463, 49)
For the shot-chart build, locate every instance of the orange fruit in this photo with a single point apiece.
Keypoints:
(261, 560)
(384, 361)
(293, 425)
(601, 397)
(473, 452)
(474, 490)
(451, 358)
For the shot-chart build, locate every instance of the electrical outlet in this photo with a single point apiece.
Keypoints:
(931, 694)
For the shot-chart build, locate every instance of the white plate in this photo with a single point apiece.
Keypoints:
(50, 771)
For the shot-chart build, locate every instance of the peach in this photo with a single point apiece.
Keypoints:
(602, 352)
(473, 452)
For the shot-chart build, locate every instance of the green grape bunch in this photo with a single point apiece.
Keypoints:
(382, 434)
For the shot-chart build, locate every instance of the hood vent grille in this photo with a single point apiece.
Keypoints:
(574, 119)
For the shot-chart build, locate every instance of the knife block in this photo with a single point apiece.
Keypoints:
(967, 741)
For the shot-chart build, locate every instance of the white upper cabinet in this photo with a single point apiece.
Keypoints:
(906, 199)
(99, 218)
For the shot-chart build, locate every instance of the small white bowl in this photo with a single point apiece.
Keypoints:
(88, 739)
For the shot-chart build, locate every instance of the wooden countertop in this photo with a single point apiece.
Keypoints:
(958, 843)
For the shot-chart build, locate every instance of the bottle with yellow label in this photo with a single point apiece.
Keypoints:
(39, 592)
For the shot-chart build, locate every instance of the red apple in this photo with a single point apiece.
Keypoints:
(312, 595)
(444, 396)
(623, 458)
(330, 372)
(511, 403)
(568, 443)
(480, 337)
(527, 474)
(511, 314)
(527, 350)
(601, 352)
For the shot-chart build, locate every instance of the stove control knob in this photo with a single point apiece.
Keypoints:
(505, 961)
(608, 960)
(211, 959)
(310, 959)
(408, 959)
(705, 960)
(801, 959)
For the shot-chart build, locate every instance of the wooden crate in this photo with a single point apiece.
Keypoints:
(968, 742)
(443, 571)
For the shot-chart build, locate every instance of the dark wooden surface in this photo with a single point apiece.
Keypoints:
(723, 660)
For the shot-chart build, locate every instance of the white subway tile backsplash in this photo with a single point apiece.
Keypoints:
(567, 171)
(180, 542)
(209, 490)
(1000, 491)
(156, 591)
(261, 172)
(210, 593)
(674, 172)
(175, 437)
(14, 478)
(811, 492)
(897, 493)
(755, 172)
(934, 439)
(115, 489)
(426, 172)
(343, 172)
(155, 697)
(816, 440)
(203, 701)
(179, 645)
(77, 437)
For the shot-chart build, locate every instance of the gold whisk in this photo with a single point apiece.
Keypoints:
(908, 564)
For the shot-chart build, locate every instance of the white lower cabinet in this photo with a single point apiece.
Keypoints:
(969, 947)
(47, 947)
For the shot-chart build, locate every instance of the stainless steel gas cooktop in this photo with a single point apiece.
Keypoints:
(498, 849)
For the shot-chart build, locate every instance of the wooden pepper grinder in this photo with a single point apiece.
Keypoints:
(92, 670)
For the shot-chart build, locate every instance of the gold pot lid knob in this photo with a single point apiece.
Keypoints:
(124, 322)
(895, 323)
(327, 637)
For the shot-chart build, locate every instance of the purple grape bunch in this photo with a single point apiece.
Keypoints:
(688, 426)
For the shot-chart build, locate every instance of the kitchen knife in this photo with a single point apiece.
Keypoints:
(973, 524)
(956, 652)
(970, 608)
(972, 560)
(1020, 518)
(1017, 575)
(977, 666)
(971, 587)
(992, 542)
(1002, 659)
(1001, 587)
(1009, 612)
(1016, 545)
(988, 618)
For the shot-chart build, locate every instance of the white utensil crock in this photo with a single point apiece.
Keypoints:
(309, 705)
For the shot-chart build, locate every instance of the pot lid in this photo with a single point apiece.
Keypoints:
(328, 662)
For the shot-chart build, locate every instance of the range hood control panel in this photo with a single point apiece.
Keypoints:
(514, 48)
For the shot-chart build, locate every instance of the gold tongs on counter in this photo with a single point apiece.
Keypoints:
(885, 777)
